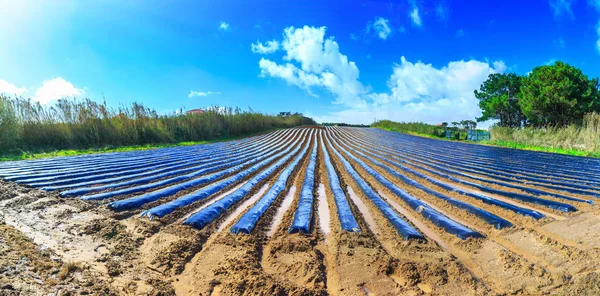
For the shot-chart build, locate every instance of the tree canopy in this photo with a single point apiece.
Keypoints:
(555, 95)
(558, 95)
(498, 99)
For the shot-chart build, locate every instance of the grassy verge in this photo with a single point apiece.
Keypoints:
(29, 155)
(509, 144)
(558, 150)
(391, 129)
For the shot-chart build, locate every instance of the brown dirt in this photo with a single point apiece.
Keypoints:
(64, 246)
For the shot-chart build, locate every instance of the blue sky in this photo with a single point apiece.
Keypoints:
(333, 60)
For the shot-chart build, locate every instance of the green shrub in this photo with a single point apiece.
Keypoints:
(83, 124)
(573, 137)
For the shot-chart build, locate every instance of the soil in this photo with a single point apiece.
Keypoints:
(66, 246)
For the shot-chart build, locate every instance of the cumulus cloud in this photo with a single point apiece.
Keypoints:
(224, 26)
(55, 89)
(416, 91)
(314, 61)
(561, 8)
(269, 47)
(382, 28)
(194, 93)
(11, 89)
(423, 83)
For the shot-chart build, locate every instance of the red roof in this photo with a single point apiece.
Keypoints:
(195, 111)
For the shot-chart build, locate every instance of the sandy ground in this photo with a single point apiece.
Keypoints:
(65, 246)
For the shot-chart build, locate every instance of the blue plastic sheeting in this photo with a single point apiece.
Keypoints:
(167, 208)
(482, 168)
(483, 198)
(402, 227)
(486, 216)
(67, 166)
(62, 178)
(526, 189)
(46, 177)
(347, 220)
(77, 163)
(303, 214)
(106, 158)
(248, 221)
(555, 165)
(485, 158)
(430, 214)
(96, 165)
(205, 216)
(137, 201)
(522, 197)
(175, 188)
(159, 174)
(97, 177)
(551, 163)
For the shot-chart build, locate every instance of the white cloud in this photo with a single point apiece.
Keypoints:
(417, 91)
(420, 82)
(561, 8)
(55, 89)
(460, 33)
(194, 93)
(499, 66)
(313, 61)
(224, 26)
(353, 36)
(415, 17)
(442, 11)
(11, 89)
(382, 27)
(268, 47)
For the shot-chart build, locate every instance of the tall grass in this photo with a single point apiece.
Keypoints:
(82, 124)
(573, 139)
(409, 127)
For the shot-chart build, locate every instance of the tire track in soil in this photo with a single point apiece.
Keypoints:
(100, 246)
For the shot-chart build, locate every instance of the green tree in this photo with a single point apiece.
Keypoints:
(498, 99)
(558, 95)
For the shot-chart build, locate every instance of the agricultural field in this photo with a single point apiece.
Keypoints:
(303, 211)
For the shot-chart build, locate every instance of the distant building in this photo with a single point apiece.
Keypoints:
(194, 111)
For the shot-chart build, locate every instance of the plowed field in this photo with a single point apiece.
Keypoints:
(303, 211)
